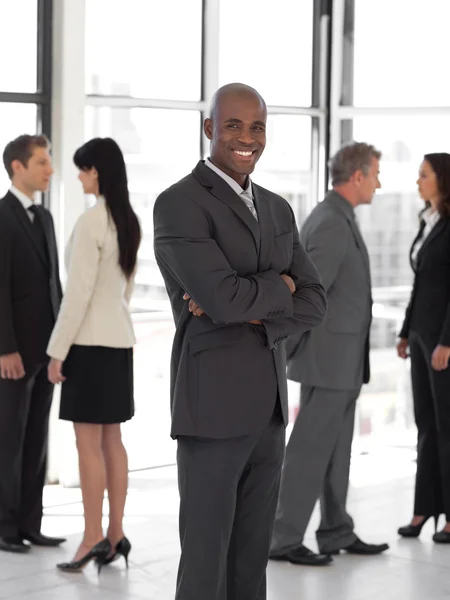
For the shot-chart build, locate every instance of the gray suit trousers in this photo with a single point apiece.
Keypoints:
(317, 464)
(228, 492)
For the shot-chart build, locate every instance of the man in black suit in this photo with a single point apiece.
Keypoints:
(30, 295)
(239, 283)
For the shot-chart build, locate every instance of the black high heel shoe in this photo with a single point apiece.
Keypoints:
(413, 531)
(99, 552)
(122, 549)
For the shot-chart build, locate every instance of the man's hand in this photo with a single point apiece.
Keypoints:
(194, 308)
(402, 348)
(289, 282)
(11, 366)
(55, 371)
(440, 357)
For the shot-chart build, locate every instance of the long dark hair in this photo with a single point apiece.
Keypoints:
(440, 163)
(105, 155)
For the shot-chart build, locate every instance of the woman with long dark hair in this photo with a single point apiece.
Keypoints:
(426, 333)
(91, 347)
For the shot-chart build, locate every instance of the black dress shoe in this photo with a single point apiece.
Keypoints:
(413, 531)
(302, 556)
(13, 544)
(123, 548)
(441, 537)
(360, 547)
(39, 539)
(99, 552)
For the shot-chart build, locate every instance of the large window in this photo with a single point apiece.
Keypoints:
(19, 69)
(25, 50)
(399, 53)
(144, 48)
(269, 48)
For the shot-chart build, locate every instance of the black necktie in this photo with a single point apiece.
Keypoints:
(39, 232)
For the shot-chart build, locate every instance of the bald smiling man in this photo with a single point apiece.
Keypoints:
(239, 283)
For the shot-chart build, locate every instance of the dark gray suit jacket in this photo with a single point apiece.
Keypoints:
(336, 354)
(30, 288)
(225, 372)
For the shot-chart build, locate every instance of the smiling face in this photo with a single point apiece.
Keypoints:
(237, 131)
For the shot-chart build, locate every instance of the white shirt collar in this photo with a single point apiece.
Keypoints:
(23, 198)
(431, 217)
(231, 182)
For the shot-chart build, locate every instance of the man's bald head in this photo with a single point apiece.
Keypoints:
(234, 89)
(237, 130)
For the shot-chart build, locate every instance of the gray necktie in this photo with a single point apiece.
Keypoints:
(248, 201)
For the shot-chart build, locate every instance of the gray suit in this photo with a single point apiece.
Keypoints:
(228, 374)
(331, 362)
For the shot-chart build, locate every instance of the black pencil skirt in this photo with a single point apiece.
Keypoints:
(98, 386)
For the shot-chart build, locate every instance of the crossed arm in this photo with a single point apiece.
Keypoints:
(184, 246)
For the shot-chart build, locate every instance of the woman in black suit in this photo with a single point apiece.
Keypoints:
(426, 332)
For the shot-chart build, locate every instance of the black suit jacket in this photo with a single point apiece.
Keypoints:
(225, 372)
(30, 288)
(428, 311)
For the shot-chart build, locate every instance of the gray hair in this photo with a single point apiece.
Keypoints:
(352, 157)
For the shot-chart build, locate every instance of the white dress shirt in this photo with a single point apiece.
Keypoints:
(25, 201)
(431, 217)
(245, 195)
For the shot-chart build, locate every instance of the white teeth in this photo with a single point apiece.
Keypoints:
(242, 153)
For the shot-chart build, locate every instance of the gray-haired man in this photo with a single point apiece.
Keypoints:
(332, 363)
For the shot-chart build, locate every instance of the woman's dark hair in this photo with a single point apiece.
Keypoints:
(105, 155)
(440, 163)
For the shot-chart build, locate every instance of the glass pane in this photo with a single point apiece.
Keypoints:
(144, 48)
(18, 45)
(285, 166)
(407, 66)
(389, 226)
(160, 147)
(276, 55)
(15, 119)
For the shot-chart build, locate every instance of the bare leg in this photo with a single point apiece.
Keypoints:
(93, 480)
(116, 462)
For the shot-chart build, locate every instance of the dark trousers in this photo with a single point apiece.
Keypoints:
(228, 492)
(24, 414)
(317, 464)
(431, 393)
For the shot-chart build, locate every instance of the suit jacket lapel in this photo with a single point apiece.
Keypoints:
(416, 239)
(222, 191)
(440, 225)
(27, 225)
(266, 228)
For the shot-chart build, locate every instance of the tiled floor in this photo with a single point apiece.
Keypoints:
(380, 500)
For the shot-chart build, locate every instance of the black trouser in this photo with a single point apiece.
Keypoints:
(24, 415)
(229, 491)
(431, 392)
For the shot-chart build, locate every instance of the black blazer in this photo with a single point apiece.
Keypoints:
(428, 311)
(225, 372)
(30, 288)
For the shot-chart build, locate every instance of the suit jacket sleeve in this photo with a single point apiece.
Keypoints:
(81, 278)
(404, 332)
(309, 299)
(185, 247)
(8, 342)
